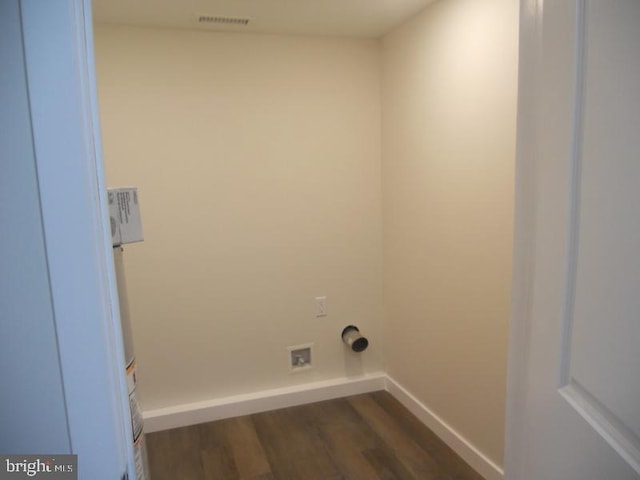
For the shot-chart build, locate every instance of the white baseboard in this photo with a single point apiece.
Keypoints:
(474, 457)
(210, 410)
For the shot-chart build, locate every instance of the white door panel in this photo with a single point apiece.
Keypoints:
(576, 395)
(603, 319)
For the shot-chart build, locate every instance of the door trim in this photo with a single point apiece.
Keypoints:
(58, 49)
(529, 69)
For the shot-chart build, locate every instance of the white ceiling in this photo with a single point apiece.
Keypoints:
(360, 18)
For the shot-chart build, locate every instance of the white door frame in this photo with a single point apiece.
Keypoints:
(58, 48)
(523, 254)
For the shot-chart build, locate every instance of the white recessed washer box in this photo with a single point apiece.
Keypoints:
(300, 358)
(124, 213)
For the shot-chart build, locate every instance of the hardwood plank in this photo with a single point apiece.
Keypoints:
(293, 446)
(417, 460)
(187, 464)
(346, 444)
(449, 460)
(175, 454)
(159, 447)
(213, 435)
(248, 454)
(218, 463)
(386, 465)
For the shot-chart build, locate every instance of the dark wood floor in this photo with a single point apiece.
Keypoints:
(364, 437)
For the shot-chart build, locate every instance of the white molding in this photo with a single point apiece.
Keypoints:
(474, 457)
(227, 407)
(524, 248)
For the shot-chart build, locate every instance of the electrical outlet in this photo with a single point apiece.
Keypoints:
(321, 307)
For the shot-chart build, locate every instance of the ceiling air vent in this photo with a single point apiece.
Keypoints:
(218, 20)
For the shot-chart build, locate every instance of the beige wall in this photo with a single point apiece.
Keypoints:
(448, 109)
(258, 164)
